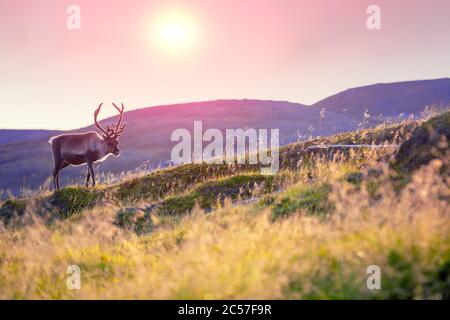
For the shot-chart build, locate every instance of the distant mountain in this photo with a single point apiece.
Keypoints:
(26, 160)
(390, 99)
(9, 136)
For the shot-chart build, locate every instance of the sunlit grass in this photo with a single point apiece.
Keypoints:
(241, 252)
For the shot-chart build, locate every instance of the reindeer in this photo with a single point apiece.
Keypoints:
(89, 147)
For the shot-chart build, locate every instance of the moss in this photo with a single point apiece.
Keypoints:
(313, 199)
(210, 193)
(178, 205)
(134, 219)
(72, 200)
(157, 185)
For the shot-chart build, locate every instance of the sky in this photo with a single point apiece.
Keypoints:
(147, 53)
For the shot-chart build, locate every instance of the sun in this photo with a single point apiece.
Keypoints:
(174, 32)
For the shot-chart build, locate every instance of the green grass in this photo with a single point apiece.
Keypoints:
(313, 199)
(72, 200)
(159, 184)
(212, 194)
(139, 221)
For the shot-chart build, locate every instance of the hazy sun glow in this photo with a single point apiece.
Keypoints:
(174, 32)
(157, 52)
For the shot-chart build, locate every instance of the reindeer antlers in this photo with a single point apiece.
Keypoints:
(119, 129)
(110, 132)
(96, 112)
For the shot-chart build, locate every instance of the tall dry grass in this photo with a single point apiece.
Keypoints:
(244, 251)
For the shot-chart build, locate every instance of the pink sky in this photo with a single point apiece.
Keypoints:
(295, 50)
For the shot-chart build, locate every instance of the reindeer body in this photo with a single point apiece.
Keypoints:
(78, 148)
(84, 148)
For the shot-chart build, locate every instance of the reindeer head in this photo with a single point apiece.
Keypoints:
(111, 135)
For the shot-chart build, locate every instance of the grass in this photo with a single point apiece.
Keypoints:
(212, 194)
(312, 198)
(11, 209)
(197, 232)
(134, 219)
(72, 200)
(428, 141)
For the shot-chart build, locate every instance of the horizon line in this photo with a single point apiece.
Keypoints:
(227, 99)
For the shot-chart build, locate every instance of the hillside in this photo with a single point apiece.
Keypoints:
(26, 161)
(199, 232)
(390, 99)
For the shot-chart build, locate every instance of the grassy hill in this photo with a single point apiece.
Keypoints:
(225, 231)
(146, 141)
(26, 160)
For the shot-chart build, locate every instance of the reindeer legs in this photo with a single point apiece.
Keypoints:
(59, 164)
(90, 174)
